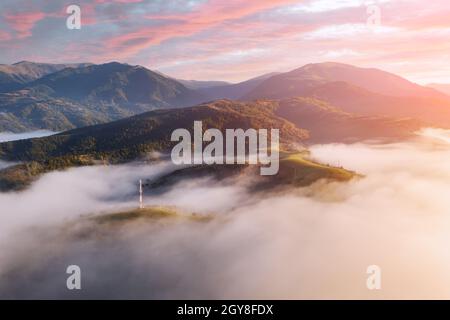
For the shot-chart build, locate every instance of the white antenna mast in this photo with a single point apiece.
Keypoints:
(141, 205)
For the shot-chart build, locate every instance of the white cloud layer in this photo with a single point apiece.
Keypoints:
(313, 243)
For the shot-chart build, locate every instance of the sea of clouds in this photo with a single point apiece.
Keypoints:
(316, 242)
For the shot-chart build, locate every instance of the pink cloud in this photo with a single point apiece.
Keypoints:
(118, 1)
(88, 15)
(4, 36)
(237, 39)
(206, 16)
(23, 22)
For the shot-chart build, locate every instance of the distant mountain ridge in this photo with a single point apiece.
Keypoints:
(117, 83)
(234, 91)
(442, 87)
(199, 84)
(13, 77)
(315, 74)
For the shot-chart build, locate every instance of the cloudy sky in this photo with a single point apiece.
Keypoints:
(234, 39)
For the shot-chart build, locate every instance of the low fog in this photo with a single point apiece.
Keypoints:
(315, 242)
(11, 136)
(4, 164)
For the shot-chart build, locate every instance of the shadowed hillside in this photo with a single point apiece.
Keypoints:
(300, 121)
(87, 95)
(327, 123)
(130, 138)
(133, 138)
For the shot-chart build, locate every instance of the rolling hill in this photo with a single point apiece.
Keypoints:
(133, 138)
(130, 138)
(327, 123)
(296, 170)
(434, 111)
(136, 137)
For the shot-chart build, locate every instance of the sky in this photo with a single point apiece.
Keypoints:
(234, 40)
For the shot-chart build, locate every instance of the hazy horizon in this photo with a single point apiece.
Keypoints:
(230, 82)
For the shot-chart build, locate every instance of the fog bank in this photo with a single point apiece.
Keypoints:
(271, 247)
(10, 136)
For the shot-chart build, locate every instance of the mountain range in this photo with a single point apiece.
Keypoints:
(61, 97)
